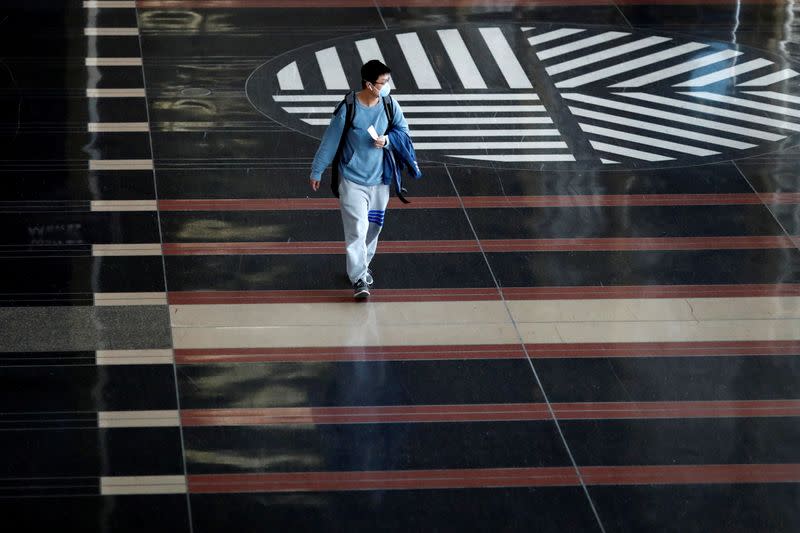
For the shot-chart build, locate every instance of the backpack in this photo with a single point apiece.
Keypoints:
(350, 113)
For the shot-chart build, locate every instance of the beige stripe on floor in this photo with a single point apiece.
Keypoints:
(129, 298)
(118, 485)
(121, 164)
(135, 419)
(124, 205)
(134, 357)
(118, 127)
(655, 309)
(311, 335)
(103, 250)
(666, 331)
(113, 61)
(546, 321)
(111, 32)
(110, 4)
(115, 93)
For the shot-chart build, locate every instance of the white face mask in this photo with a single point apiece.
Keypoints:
(385, 90)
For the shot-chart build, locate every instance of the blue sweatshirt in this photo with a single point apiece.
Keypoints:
(361, 161)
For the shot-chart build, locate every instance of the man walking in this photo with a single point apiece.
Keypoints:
(354, 142)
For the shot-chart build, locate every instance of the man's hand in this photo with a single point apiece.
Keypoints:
(314, 184)
(380, 142)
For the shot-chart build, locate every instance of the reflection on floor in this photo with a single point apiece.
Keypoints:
(588, 318)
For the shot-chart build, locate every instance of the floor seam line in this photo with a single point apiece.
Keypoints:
(378, 7)
(189, 519)
(528, 357)
(794, 239)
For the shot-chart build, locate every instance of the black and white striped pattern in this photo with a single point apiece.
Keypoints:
(684, 101)
(490, 127)
(471, 93)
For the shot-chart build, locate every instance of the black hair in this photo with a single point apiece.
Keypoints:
(372, 70)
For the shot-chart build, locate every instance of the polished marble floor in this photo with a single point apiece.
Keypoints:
(587, 318)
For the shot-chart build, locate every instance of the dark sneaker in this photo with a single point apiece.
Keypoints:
(360, 290)
(368, 278)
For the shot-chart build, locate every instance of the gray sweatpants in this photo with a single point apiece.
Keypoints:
(363, 209)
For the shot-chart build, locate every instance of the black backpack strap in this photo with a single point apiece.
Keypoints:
(388, 108)
(350, 113)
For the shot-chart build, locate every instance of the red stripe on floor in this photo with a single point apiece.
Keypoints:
(660, 410)
(651, 291)
(242, 4)
(383, 480)
(333, 354)
(691, 474)
(489, 412)
(452, 202)
(484, 294)
(664, 349)
(490, 245)
(330, 296)
(494, 477)
(780, 197)
(364, 415)
(492, 351)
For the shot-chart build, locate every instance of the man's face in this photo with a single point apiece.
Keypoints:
(382, 80)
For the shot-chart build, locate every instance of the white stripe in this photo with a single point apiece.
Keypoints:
(449, 121)
(331, 67)
(776, 96)
(414, 97)
(134, 357)
(605, 54)
(630, 65)
(111, 32)
(505, 58)
(117, 127)
(769, 79)
(580, 45)
(368, 49)
(650, 141)
(289, 78)
(103, 250)
(518, 158)
(742, 102)
(627, 152)
(489, 145)
(418, 61)
(609, 162)
(119, 485)
(659, 128)
(462, 61)
(485, 133)
(121, 164)
(715, 111)
(123, 205)
(724, 74)
(688, 66)
(527, 28)
(137, 419)
(109, 4)
(437, 109)
(553, 35)
(115, 93)
(676, 117)
(113, 62)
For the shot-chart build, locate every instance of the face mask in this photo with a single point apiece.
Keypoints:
(385, 89)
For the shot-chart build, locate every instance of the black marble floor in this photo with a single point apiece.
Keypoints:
(587, 319)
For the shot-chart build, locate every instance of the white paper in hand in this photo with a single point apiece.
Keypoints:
(372, 133)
